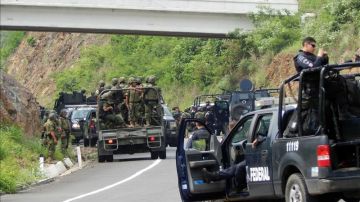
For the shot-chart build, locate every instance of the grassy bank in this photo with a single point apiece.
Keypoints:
(19, 158)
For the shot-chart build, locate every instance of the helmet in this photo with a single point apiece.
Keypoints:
(131, 80)
(147, 79)
(101, 83)
(52, 116)
(152, 79)
(200, 116)
(138, 80)
(83, 91)
(108, 87)
(63, 113)
(114, 81)
(122, 79)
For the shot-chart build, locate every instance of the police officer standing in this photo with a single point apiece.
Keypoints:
(50, 132)
(306, 59)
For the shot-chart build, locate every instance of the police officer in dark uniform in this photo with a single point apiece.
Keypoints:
(306, 59)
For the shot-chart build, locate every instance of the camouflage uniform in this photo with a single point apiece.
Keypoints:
(107, 113)
(134, 96)
(151, 100)
(122, 82)
(50, 131)
(65, 134)
(101, 88)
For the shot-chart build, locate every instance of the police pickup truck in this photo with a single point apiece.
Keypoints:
(292, 162)
(117, 137)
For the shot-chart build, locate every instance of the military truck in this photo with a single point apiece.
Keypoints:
(291, 161)
(116, 134)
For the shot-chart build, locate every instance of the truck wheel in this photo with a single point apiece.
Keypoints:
(162, 154)
(296, 190)
(109, 158)
(154, 155)
(101, 159)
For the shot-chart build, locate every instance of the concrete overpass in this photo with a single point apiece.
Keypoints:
(213, 18)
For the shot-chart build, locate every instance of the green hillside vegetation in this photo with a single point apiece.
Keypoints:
(8, 43)
(187, 67)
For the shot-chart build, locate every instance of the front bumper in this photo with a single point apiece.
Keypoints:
(330, 185)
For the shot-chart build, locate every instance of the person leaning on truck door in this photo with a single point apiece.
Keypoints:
(237, 171)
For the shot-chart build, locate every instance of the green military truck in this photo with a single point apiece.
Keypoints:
(119, 134)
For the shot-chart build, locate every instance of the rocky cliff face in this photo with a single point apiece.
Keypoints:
(18, 105)
(41, 54)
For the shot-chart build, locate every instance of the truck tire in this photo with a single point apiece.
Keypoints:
(296, 190)
(162, 154)
(154, 155)
(109, 158)
(101, 159)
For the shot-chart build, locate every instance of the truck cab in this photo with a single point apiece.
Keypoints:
(323, 165)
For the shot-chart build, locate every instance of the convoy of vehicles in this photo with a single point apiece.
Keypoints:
(293, 165)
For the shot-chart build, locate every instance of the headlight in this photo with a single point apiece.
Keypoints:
(172, 125)
(75, 125)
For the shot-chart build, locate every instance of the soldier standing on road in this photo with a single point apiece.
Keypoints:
(65, 135)
(133, 99)
(50, 131)
(151, 101)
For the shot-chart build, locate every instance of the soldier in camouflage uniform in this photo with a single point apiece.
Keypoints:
(133, 102)
(101, 87)
(107, 113)
(151, 101)
(50, 131)
(122, 82)
(65, 134)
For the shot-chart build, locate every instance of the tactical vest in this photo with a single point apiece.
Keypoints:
(134, 97)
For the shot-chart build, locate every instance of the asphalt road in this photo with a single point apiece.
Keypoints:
(132, 178)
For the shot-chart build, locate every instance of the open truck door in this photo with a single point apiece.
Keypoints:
(200, 150)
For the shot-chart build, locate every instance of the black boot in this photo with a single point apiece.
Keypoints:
(210, 176)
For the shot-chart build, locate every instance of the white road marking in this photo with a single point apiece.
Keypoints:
(117, 183)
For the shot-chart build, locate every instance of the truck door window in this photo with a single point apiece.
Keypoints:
(262, 126)
(242, 131)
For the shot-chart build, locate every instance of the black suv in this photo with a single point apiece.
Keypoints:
(83, 125)
(170, 127)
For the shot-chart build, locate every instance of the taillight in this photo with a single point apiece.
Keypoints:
(151, 138)
(110, 141)
(323, 156)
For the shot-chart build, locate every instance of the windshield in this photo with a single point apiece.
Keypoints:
(166, 111)
(80, 114)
